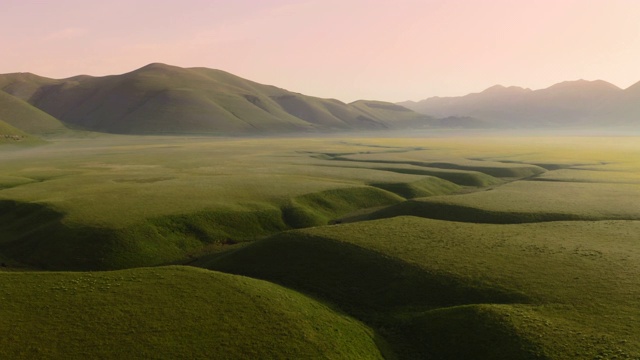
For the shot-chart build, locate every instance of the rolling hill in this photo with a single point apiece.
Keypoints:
(170, 313)
(567, 104)
(164, 99)
(448, 290)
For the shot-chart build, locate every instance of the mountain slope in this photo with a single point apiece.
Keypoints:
(570, 103)
(22, 115)
(15, 136)
(160, 98)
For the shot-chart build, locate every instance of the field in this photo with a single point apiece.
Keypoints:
(445, 246)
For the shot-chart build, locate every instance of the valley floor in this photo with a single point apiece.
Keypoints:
(448, 246)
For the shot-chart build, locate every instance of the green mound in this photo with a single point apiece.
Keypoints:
(545, 290)
(355, 277)
(467, 177)
(429, 186)
(470, 332)
(373, 286)
(320, 208)
(453, 212)
(421, 158)
(528, 201)
(459, 177)
(40, 236)
(169, 313)
(7, 182)
(497, 170)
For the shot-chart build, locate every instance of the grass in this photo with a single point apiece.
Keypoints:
(547, 290)
(28, 118)
(428, 186)
(179, 195)
(528, 201)
(136, 314)
(495, 169)
(12, 136)
(164, 99)
(183, 194)
(534, 256)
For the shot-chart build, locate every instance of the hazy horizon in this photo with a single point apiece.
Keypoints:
(348, 50)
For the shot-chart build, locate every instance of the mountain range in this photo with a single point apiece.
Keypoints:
(567, 104)
(165, 99)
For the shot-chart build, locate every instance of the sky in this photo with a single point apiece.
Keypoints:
(345, 49)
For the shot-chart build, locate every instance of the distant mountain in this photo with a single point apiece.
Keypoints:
(571, 103)
(163, 99)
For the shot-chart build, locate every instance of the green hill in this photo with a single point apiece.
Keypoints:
(14, 136)
(24, 85)
(6, 129)
(447, 290)
(163, 99)
(169, 313)
(22, 115)
(528, 201)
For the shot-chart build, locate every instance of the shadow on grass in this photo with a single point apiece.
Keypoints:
(453, 212)
(396, 298)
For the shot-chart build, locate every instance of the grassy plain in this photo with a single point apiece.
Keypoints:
(491, 247)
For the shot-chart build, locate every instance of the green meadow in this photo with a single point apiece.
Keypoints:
(447, 246)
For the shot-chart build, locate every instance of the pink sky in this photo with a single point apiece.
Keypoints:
(345, 49)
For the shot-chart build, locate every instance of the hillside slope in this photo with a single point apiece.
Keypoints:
(567, 104)
(169, 313)
(22, 115)
(10, 135)
(163, 99)
(448, 290)
(6, 129)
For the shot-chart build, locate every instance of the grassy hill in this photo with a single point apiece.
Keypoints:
(8, 132)
(10, 135)
(163, 99)
(529, 201)
(169, 313)
(22, 115)
(447, 290)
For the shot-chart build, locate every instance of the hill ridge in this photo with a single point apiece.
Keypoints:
(164, 99)
(574, 103)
